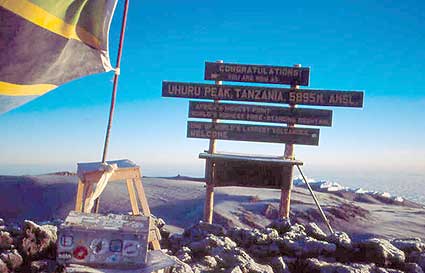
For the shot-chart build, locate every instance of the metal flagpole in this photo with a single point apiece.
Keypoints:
(114, 90)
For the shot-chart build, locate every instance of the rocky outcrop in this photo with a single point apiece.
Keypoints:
(281, 247)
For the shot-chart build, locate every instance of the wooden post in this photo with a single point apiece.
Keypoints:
(209, 173)
(285, 193)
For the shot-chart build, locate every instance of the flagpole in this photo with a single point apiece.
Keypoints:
(114, 90)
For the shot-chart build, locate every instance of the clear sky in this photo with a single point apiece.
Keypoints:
(376, 46)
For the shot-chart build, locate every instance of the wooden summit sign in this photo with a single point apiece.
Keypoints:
(262, 94)
(257, 73)
(251, 112)
(223, 169)
(258, 133)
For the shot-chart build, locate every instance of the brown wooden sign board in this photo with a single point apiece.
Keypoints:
(257, 73)
(259, 113)
(263, 94)
(258, 133)
(250, 174)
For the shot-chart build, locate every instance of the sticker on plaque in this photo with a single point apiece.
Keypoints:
(66, 241)
(130, 248)
(65, 255)
(113, 258)
(115, 246)
(80, 252)
(99, 246)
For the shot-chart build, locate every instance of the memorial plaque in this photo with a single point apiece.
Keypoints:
(263, 94)
(250, 174)
(259, 133)
(257, 73)
(249, 112)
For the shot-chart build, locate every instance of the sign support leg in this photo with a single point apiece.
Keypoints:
(209, 172)
(132, 196)
(285, 193)
(80, 195)
(209, 197)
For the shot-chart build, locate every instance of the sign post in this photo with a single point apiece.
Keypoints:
(209, 172)
(285, 193)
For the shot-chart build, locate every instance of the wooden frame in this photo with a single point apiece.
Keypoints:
(132, 177)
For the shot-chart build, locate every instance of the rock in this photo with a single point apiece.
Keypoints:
(307, 247)
(381, 252)
(270, 250)
(412, 268)
(12, 259)
(6, 240)
(180, 267)
(165, 232)
(281, 225)
(295, 232)
(39, 242)
(184, 254)
(254, 267)
(209, 242)
(279, 265)
(3, 267)
(209, 261)
(244, 237)
(418, 258)
(233, 257)
(200, 230)
(341, 239)
(314, 265)
(270, 211)
(314, 231)
(409, 245)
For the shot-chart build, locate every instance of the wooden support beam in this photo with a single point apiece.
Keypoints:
(132, 196)
(209, 173)
(79, 197)
(142, 196)
(285, 193)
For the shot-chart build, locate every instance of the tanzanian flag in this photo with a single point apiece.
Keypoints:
(45, 43)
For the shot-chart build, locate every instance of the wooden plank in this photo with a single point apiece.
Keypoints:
(278, 160)
(260, 113)
(259, 133)
(263, 94)
(250, 174)
(118, 175)
(257, 73)
(132, 196)
(142, 197)
(79, 198)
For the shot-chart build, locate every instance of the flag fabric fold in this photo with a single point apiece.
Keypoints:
(46, 43)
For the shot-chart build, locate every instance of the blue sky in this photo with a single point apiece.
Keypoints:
(376, 46)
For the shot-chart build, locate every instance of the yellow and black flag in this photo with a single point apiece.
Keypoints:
(45, 43)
